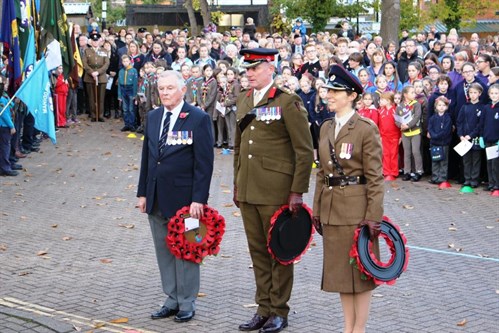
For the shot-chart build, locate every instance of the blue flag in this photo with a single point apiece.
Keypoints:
(35, 93)
(30, 54)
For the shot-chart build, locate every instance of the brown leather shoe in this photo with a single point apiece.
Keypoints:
(254, 324)
(20, 155)
(274, 324)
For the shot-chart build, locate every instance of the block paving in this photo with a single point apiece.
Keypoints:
(76, 254)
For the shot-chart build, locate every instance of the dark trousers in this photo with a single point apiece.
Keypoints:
(472, 161)
(15, 142)
(439, 168)
(96, 109)
(28, 137)
(493, 169)
(81, 96)
(5, 138)
(128, 105)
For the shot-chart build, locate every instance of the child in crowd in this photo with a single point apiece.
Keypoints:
(72, 102)
(364, 80)
(468, 128)
(489, 127)
(390, 135)
(61, 87)
(381, 86)
(440, 135)
(414, 73)
(220, 109)
(409, 121)
(207, 95)
(147, 96)
(244, 82)
(128, 80)
(369, 110)
(192, 85)
(397, 98)
(7, 129)
(425, 142)
(293, 84)
(389, 70)
(308, 95)
(443, 85)
(233, 90)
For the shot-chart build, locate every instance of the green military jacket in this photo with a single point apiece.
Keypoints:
(272, 157)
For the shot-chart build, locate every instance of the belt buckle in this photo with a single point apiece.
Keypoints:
(326, 181)
(343, 183)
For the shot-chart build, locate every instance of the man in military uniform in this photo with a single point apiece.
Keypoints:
(95, 63)
(273, 157)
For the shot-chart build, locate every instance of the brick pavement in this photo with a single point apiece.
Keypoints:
(75, 201)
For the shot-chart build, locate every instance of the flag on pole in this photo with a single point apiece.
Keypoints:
(77, 70)
(35, 93)
(9, 35)
(54, 26)
(29, 54)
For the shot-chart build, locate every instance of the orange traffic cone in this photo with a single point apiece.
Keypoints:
(495, 193)
(443, 185)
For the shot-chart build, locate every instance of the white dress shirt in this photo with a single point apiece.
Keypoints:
(173, 118)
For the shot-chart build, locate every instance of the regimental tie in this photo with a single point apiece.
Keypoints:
(164, 132)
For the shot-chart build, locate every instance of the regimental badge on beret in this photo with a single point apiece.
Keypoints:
(254, 57)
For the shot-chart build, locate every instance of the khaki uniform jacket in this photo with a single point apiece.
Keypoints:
(272, 159)
(95, 60)
(353, 203)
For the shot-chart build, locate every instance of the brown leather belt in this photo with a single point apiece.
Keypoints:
(344, 180)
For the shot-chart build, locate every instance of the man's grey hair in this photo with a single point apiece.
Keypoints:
(177, 75)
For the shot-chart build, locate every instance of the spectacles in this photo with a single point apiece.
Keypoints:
(433, 72)
(479, 61)
(410, 45)
(468, 72)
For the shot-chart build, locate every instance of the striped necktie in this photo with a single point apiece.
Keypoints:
(164, 133)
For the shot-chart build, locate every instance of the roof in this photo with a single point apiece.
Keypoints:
(76, 8)
(479, 26)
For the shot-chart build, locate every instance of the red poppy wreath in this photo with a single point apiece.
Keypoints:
(370, 267)
(194, 245)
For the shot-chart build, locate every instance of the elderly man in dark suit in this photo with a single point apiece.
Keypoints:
(175, 173)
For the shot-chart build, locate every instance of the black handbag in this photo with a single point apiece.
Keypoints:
(437, 153)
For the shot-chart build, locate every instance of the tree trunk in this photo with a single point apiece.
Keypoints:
(192, 17)
(205, 12)
(390, 21)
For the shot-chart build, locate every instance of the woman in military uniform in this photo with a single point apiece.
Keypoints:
(349, 193)
(95, 63)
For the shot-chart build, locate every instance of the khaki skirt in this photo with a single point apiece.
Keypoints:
(338, 275)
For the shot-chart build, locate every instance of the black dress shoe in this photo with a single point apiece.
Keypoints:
(93, 120)
(254, 324)
(274, 324)
(417, 177)
(35, 149)
(16, 167)
(406, 177)
(125, 128)
(184, 316)
(101, 120)
(164, 312)
(9, 173)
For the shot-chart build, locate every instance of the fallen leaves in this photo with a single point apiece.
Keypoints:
(228, 205)
(106, 261)
(253, 305)
(408, 207)
(54, 226)
(66, 238)
(452, 229)
(127, 226)
(119, 320)
(24, 273)
(3, 247)
(236, 214)
(202, 295)
(226, 191)
(42, 253)
(462, 322)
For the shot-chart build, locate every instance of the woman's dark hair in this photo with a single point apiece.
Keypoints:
(451, 62)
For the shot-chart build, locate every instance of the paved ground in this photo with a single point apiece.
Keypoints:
(75, 254)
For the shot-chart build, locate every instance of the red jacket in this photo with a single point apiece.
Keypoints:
(387, 127)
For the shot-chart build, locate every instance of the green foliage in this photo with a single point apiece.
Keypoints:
(217, 16)
(454, 13)
(280, 25)
(410, 16)
(317, 12)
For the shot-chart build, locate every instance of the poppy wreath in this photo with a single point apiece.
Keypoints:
(364, 259)
(273, 220)
(207, 237)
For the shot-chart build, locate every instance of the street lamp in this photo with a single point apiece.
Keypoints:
(104, 14)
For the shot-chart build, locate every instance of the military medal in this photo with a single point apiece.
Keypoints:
(349, 151)
(189, 138)
(179, 137)
(184, 137)
(278, 113)
(497, 115)
(343, 153)
(169, 139)
(273, 113)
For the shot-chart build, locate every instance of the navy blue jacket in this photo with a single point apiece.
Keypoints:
(181, 174)
(461, 96)
(468, 120)
(489, 123)
(450, 95)
(309, 103)
(440, 129)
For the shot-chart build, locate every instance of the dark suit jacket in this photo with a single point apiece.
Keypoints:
(181, 174)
